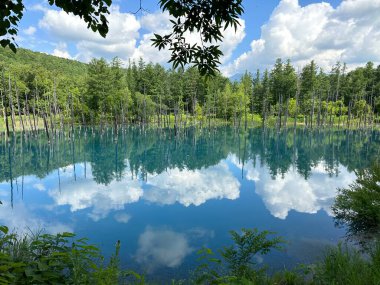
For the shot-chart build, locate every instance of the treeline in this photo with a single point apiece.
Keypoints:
(38, 91)
(153, 151)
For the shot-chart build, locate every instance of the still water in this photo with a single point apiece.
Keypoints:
(165, 197)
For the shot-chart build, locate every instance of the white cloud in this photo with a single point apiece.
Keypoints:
(349, 33)
(128, 37)
(294, 192)
(102, 199)
(120, 41)
(30, 31)
(231, 40)
(162, 248)
(61, 51)
(39, 187)
(193, 187)
(22, 220)
(187, 187)
(122, 218)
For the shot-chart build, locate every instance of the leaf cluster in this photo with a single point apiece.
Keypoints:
(92, 12)
(237, 264)
(54, 259)
(358, 206)
(11, 13)
(209, 19)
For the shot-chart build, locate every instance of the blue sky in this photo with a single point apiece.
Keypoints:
(301, 30)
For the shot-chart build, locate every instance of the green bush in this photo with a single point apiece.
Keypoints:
(54, 259)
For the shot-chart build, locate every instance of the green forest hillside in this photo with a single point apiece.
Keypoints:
(109, 92)
(31, 59)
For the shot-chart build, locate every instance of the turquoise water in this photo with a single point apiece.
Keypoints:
(164, 197)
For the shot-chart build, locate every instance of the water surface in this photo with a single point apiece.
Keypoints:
(164, 197)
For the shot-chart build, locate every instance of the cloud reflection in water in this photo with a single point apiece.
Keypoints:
(162, 248)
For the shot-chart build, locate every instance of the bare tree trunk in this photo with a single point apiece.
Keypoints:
(19, 110)
(4, 103)
(34, 111)
(296, 111)
(11, 104)
(286, 113)
(312, 111)
(5, 114)
(319, 110)
(28, 113)
(72, 113)
(349, 115)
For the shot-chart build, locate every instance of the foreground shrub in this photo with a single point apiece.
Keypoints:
(342, 265)
(54, 259)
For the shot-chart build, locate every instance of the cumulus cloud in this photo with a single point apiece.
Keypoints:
(39, 187)
(293, 192)
(30, 31)
(101, 199)
(187, 187)
(349, 33)
(120, 41)
(162, 248)
(21, 219)
(193, 187)
(128, 37)
(122, 218)
(61, 51)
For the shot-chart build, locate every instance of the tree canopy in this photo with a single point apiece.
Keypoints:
(216, 16)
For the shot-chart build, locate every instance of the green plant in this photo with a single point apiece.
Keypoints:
(238, 263)
(54, 259)
(358, 206)
(344, 265)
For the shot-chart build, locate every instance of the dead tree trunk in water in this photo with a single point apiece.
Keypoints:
(296, 110)
(11, 104)
(19, 110)
(312, 111)
(72, 114)
(34, 110)
(44, 118)
(286, 114)
(3, 102)
(28, 113)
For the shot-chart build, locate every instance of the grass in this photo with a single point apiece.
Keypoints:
(18, 126)
(64, 259)
(252, 120)
(347, 266)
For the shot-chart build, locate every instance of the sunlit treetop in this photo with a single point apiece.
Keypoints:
(208, 18)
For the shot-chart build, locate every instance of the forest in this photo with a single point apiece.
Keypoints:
(177, 118)
(154, 151)
(43, 91)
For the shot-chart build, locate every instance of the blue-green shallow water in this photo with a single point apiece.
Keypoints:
(165, 197)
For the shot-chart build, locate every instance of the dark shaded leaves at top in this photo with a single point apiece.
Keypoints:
(208, 18)
(93, 12)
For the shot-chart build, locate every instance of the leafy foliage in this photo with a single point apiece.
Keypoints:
(11, 13)
(358, 206)
(93, 13)
(216, 15)
(209, 19)
(343, 265)
(54, 259)
(237, 263)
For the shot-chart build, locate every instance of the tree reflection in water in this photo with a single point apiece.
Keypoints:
(358, 206)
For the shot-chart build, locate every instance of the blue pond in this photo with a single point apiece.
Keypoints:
(165, 196)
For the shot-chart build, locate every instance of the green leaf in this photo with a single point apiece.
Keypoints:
(4, 229)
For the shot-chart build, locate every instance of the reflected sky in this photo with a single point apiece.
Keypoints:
(165, 204)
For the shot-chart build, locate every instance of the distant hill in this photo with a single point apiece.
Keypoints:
(236, 77)
(71, 68)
